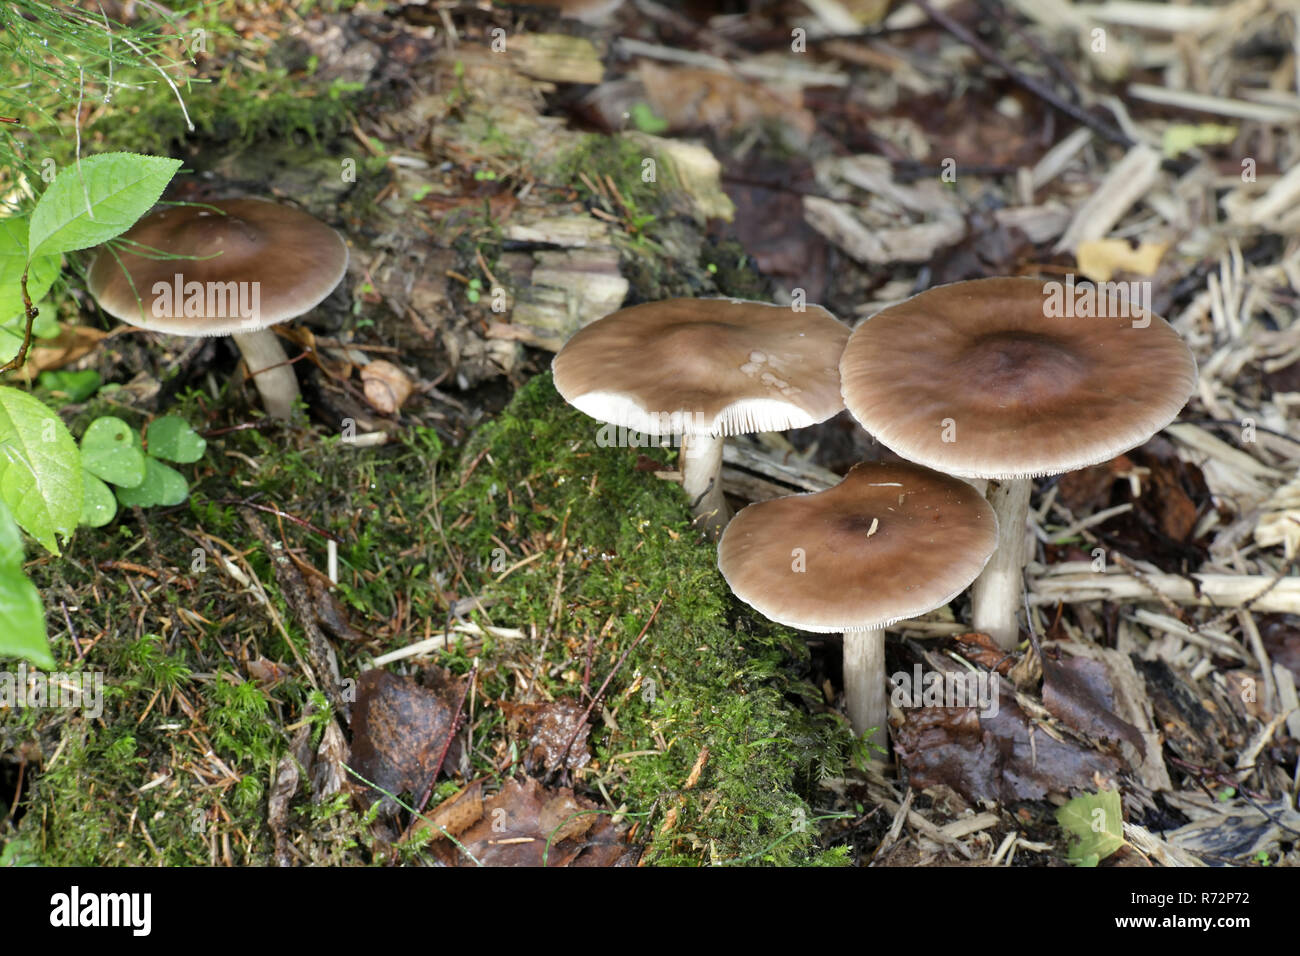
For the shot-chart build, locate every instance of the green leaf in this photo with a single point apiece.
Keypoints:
(13, 259)
(92, 201)
(41, 477)
(11, 539)
(98, 505)
(110, 450)
(22, 620)
(75, 386)
(172, 438)
(1096, 820)
(161, 486)
(646, 120)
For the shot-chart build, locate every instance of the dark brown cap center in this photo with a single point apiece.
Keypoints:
(1017, 368)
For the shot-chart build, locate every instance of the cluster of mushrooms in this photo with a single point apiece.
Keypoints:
(977, 384)
(188, 270)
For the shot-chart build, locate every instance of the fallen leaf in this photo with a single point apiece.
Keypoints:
(72, 342)
(454, 815)
(1002, 758)
(267, 672)
(386, 386)
(1078, 692)
(984, 651)
(399, 731)
(550, 727)
(526, 824)
(1096, 821)
(1099, 259)
(1281, 635)
(688, 98)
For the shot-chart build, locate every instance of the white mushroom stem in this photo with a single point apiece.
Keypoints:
(270, 369)
(864, 683)
(996, 594)
(701, 467)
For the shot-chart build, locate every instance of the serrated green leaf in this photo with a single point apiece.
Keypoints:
(110, 450)
(172, 438)
(162, 485)
(75, 386)
(41, 477)
(13, 259)
(98, 504)
(11, 539)
(22, 620)
(1096, 820)
(92, 201)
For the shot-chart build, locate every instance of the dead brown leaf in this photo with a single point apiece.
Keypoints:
(455, 814)
(1078, 691)
(550, 727)
(518, 822)
(400, 729)
(984, 651)
(1002, 758)
(688, 98)
(386, 386)
(72, 342)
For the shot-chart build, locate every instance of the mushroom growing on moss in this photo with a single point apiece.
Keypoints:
(703, 369)
(234, 267)
(990, 379)
(889, 542)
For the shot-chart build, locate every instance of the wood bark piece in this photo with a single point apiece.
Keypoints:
(567, 290)
(1075, 582)
(556, 57)
(1128, 181)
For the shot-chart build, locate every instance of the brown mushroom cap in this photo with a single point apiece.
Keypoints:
(705, 367)
(889, 542)
(1017, 392)
(295, 258)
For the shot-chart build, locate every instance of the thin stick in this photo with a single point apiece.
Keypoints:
(301, 522)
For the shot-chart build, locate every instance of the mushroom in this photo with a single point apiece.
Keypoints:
(233, 267)
(993, 379)
(703, 369)
(889, 542)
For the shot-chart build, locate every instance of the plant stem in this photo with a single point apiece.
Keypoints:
(29, 312)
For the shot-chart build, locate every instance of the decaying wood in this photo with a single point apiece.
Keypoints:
(566, 290)
(1075, 581)
(556, 57)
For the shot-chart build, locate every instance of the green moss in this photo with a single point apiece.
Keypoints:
(724, 678)
(422, 525)
(236, 109)
(596, 156)
(733, 271)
